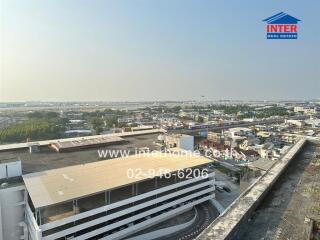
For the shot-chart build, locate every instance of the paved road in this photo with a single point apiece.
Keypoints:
(206, 214)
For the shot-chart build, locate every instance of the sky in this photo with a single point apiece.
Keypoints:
(154, 50)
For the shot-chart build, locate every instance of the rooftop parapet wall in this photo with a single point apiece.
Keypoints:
(14, 146)
(226, 225)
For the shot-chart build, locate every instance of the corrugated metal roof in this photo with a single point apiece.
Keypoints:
(65, 145)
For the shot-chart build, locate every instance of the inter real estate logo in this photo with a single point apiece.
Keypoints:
(282, 26)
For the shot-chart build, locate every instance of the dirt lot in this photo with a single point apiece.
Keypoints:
(286, 211)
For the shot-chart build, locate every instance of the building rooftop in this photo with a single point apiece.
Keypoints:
(262, 164)
(238, 129)
(47, 158)
(65, 184)
(14, 146)
(85, 143)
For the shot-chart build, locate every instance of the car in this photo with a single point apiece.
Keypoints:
(226, 189)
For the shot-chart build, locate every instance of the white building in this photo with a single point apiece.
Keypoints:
(266, 150)
(295, 122)
(305, 110)
(239, 131)
(110, 199)
(12, 200)
(183, 141)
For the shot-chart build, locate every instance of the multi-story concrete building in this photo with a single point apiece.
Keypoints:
(112, 199)
(216, 137)
(107, 199)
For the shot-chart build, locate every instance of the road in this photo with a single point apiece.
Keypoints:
(206, 214)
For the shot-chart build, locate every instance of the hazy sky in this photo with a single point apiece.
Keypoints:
(156, 50)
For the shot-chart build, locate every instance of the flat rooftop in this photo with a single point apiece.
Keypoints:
(14, 146)
(48, 158)
(65, 184)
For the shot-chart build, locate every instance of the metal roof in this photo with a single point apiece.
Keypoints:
(65, 184)
(81, 143)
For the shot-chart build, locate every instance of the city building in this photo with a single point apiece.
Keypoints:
(305, 110)
(215, 137)
(74, 194)
(183, 141)
(297, 123)
(4, 122)
(239, 131)
(266, 150)
(107, 199)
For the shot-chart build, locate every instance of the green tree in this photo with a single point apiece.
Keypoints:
(112, 121)
(97, 124)
(34, 129)
(200, 119)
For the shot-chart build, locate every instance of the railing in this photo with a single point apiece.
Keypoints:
(145, 214)
(160, 218)
(96, 211)
(136, 208)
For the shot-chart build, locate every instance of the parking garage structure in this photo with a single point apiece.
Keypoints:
(100, 200)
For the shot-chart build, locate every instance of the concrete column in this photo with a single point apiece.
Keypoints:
(155, 182)
(75, 206)
(137, 188)
(1, 230)
(132, 189)
(40, 220)
(106, 199)
(175, 179)
(36, 211)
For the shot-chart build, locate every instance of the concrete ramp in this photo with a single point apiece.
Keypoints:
(217, 205)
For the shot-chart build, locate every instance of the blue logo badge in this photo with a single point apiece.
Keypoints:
(282, 26)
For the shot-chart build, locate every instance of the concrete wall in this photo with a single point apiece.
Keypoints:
(14, 146)
(187, 142)
(34, 232)
(227, 225)
(12, 210)
(10, 169)
(165, 231)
